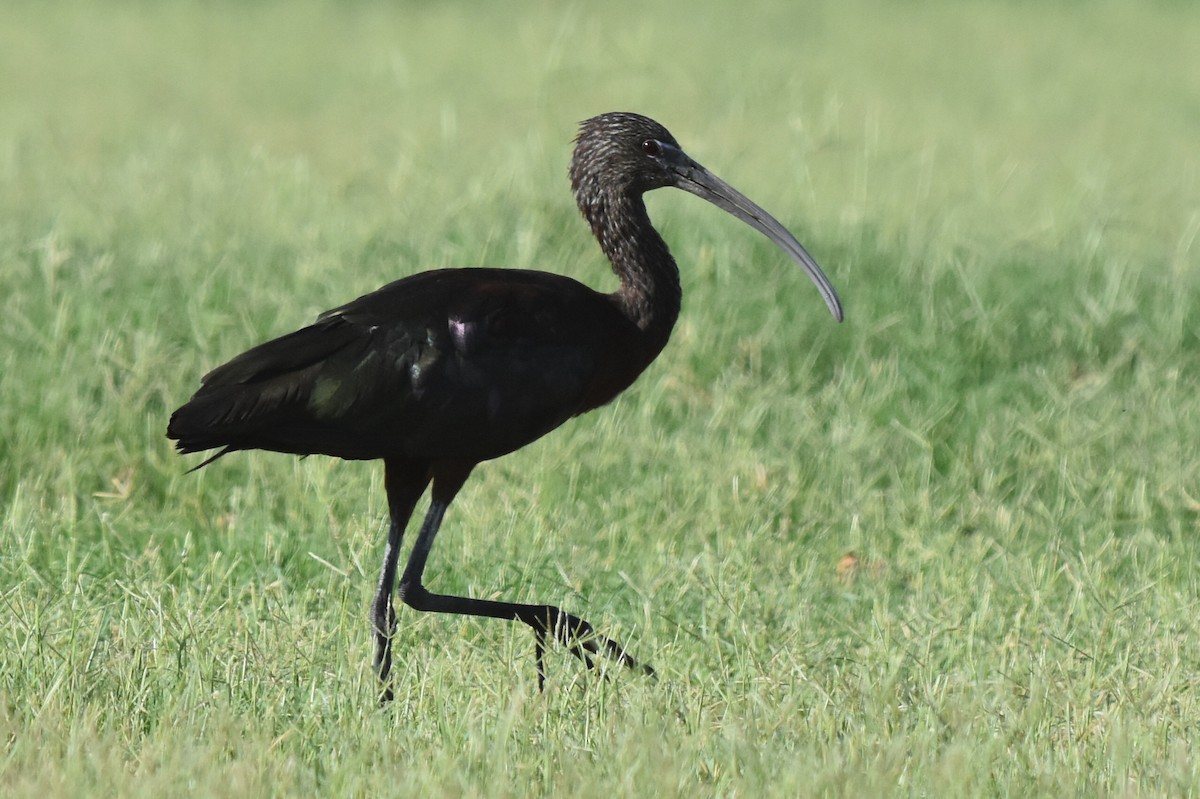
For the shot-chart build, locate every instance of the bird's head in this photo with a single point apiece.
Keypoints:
(619, 155)
(626, 153)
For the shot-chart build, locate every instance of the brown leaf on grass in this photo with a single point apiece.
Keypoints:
(851, 566)
(847, 567)
(122, 486)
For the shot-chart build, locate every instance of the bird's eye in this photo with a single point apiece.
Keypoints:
(651, 147)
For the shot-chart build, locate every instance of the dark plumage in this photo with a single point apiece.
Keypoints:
(440, 371)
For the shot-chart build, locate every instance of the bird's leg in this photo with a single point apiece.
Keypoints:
(577, 635)
(383, 614)
(404, 487)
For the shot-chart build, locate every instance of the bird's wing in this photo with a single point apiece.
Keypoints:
(448, 364)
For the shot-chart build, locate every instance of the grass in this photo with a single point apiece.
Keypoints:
(946, 548)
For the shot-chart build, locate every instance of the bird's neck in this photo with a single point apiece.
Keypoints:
(649, 293)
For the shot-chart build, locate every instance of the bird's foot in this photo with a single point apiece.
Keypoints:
(386, 695)
(385, 630)
(580, 638)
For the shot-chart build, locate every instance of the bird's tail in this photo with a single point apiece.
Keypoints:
(197, 427)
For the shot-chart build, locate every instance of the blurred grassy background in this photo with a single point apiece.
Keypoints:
(946, 547)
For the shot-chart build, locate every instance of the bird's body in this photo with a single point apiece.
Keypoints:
(454, 364)
(438, 372)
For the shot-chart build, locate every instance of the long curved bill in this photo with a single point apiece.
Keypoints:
(699, 181)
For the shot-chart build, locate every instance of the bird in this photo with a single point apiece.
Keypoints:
(443, 370)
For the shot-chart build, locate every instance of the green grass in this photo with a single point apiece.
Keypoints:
(1004, 431)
